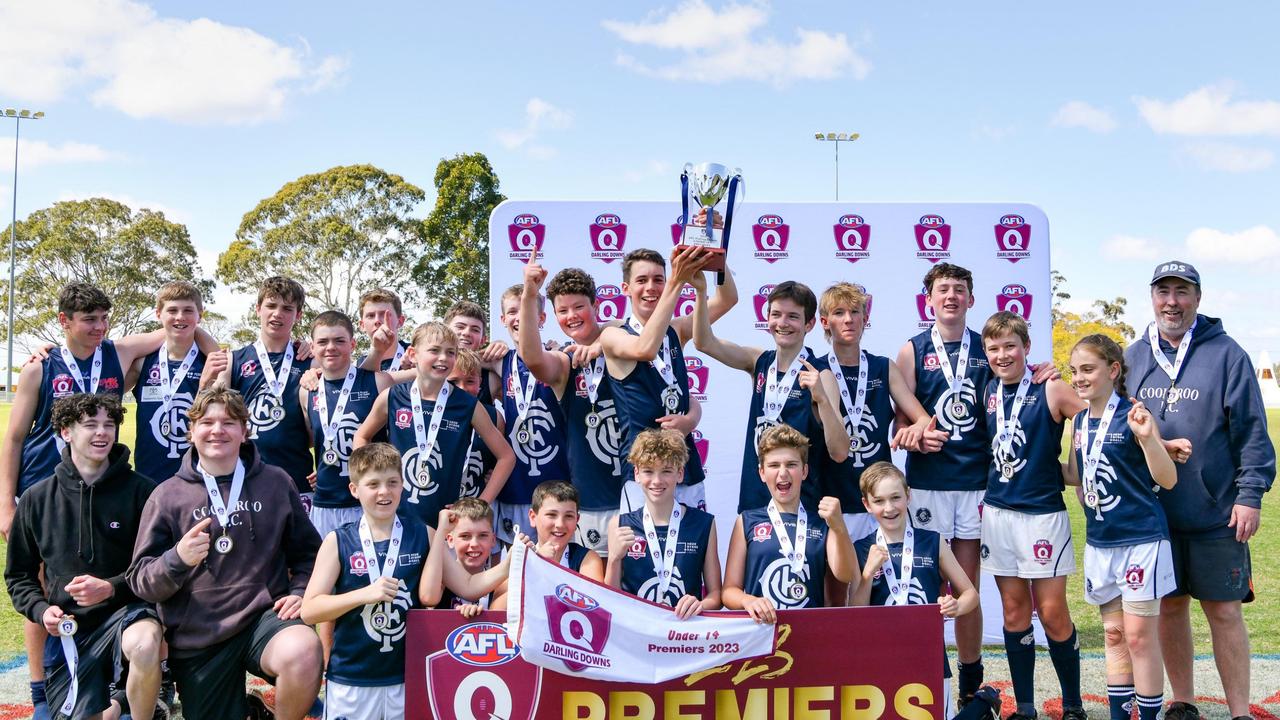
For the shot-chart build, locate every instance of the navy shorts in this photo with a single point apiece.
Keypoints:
(1214, 569)
(101, 666)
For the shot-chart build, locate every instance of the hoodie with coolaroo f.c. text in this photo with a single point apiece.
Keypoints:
(273, 552)
(1217, 405)
(75, 528)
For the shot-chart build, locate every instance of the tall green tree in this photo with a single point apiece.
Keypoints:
(1068, 327)
(126, 253)
(338, 233)
(456, 264)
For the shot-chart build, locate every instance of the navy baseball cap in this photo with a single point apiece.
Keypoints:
(1176, 269)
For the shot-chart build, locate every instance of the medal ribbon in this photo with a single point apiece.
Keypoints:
(594, 373)
(1174, 368)
(660, 361)
(955, 379)
(72, 656)
(853, 408)
(794, 553)
(73, 367)
(899, 589)
(286, 366)
(1005, 429)
(215, 495)
(776, 392)
(169, 385)
(664, 558)
(329, 422)
(523, 394)
(426, 437)
(398, 358)
(388, 567)
(1093, 451)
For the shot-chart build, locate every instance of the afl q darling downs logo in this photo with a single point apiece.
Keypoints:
(474, 678)
(608, 236)
(1013, 238)
(933, 238)
(526, 234)
(853, 238)
(771, 234)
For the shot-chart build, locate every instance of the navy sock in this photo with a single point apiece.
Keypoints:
(1020, 647)
(37, 692)
(1120, 698)
(969, 678)
(1149, 706)
(1066, 663)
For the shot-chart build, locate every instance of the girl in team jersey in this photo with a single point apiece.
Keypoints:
(1117, 454)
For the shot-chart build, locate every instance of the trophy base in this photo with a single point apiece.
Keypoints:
(710, 239)
(715, 263)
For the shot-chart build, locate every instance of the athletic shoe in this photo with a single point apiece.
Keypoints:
(1020, 716)
(1074, 714)
(990, 696)
(1181, 711)
(40, 711)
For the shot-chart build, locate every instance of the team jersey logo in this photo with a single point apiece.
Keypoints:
(579, 629)
(248, 368)
(1014, 298)
(639, 548)
(1015, 448)
(867, 448)
(605, 438)
(419, 477)
(526, 234)
(358, 565)
(1104, 484)
(1013, 238)
(608, 236)
(472, 472)
(385, 623)
(933, 238)
(1133, 576)
(1042, 551)
(675, 590)
(266, 412)
(762, 532)
(924, 516)
(787, 588)
(688, 299)
(761, 304)
(698, 373)
(404, 418)
(539, 451)
(62, 385)
(348, 424)
(457, 691)
(771, 234)
(169, 428)
(853, 238)
(109, 383)
(611, 304)
(958, 418)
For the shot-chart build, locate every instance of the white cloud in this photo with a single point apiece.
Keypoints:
(720, 46)
(170, 213)
(1129, 247)
(1080, 114)
(539, 116)
(125, 56)
(38, 153)
(1258, 243)
(1211, 111)
(1226, 157)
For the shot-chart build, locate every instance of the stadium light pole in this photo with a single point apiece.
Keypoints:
(836, 139)
(18, 116)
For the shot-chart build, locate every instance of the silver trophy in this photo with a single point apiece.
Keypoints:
(708, 184)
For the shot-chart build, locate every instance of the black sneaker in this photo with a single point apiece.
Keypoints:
(1020, 716)
(258, 709)
(1181, 711)
(1074, 714)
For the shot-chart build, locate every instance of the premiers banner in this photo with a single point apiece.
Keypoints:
(847, 663)
(571, 624)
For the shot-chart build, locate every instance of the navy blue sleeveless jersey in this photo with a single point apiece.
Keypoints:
(41, 449)
(797, 412)
(448, 454)
(545, 456)
(332, 480)
(638, 576)
(926, 573)
(962, 462)
(595, 462)
(1036, 486)
(1128, 511)
(638, 400)
(368, 648)
(480, 460)
(768, 574)
(840, 480)
(281, 442)
(162, 437)
(385, 365)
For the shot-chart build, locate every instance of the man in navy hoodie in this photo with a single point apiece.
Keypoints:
(1200, 385)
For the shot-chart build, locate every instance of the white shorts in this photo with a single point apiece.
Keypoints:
(507, 517)
(593, 530)
(326, 520)
(1016, 544)
(953, 514)
(1130, 572)
(694, 496)
(350, 702)
(860, 525)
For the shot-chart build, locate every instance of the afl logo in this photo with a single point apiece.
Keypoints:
(611, 304)
(248, 368)
(608, 236)
(404, 418)
(153, 377)
(933, 238)
(853, 237)
(1014, 298)
(1013, 238)
(761, 301)
(526, 234)
(638, 549)
(62, 385)
(481, 644)
(771, 234)
(575, 599)
(761, 532)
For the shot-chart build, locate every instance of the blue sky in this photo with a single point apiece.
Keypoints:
(1145, 131)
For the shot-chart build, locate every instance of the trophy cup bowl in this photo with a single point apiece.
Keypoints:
(708, 184)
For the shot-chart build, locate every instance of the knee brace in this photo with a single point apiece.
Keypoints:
(1142, 608)
(1118, 662)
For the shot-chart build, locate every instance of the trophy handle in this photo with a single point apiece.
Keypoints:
(734, 183)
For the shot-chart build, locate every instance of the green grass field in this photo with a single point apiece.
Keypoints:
(1262, 616)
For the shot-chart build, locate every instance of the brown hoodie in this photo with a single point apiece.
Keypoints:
(274, 550)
